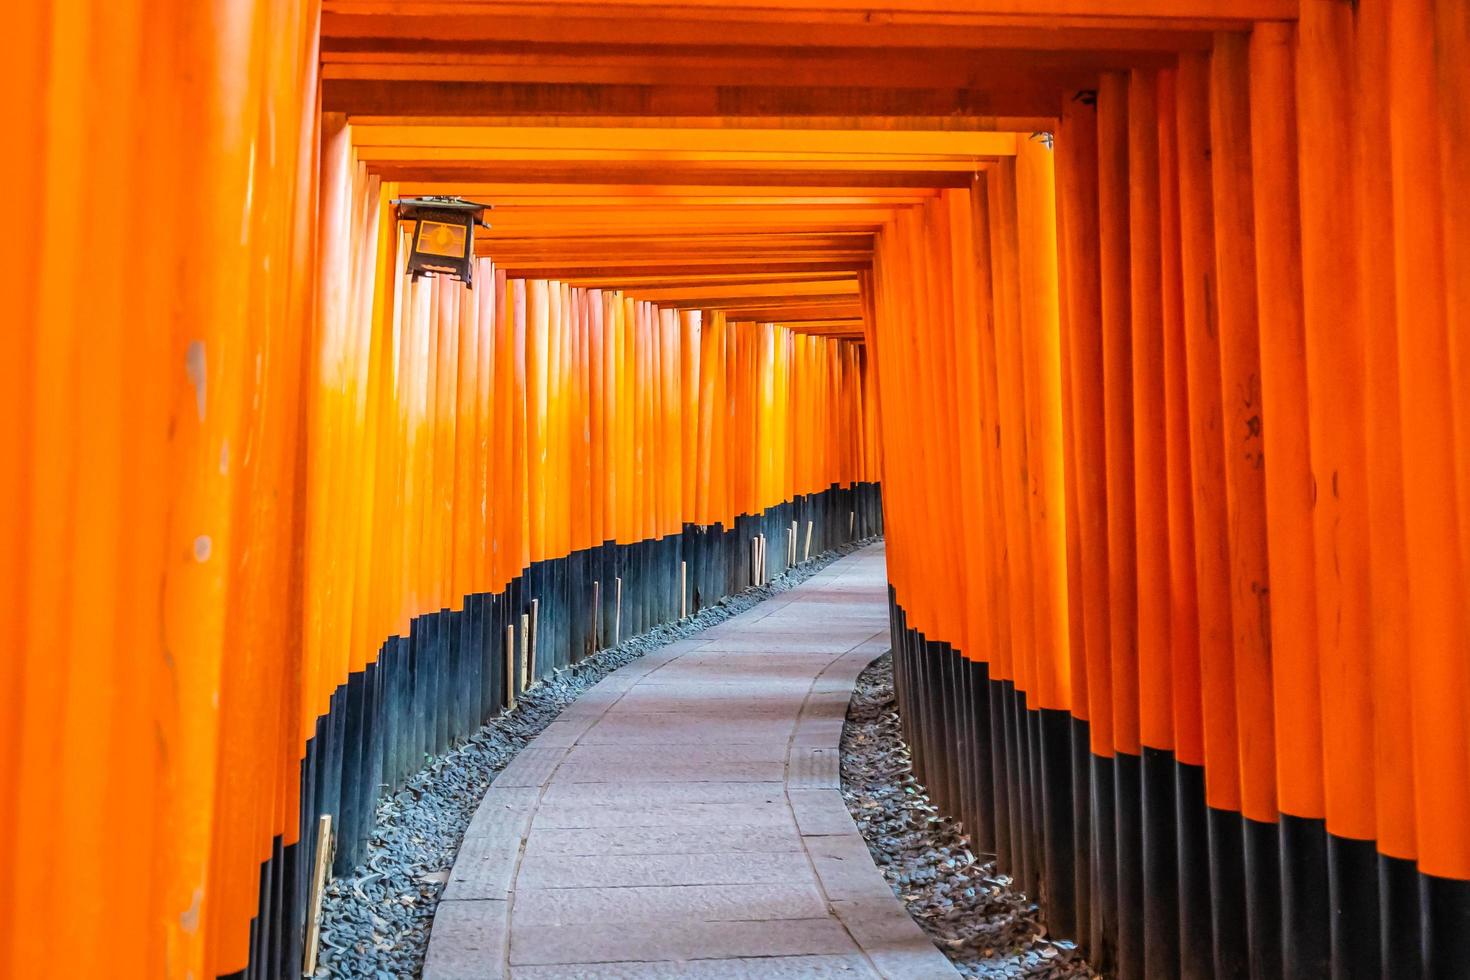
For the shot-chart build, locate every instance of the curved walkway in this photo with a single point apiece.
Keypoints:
(683, 818)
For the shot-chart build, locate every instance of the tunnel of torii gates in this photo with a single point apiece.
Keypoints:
(1151, 318)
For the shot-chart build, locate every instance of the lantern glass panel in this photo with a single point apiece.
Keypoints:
(440, 238)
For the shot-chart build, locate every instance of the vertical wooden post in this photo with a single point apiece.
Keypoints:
(1336, 344)
(1077, 186)
(1245, 491)
(806, 553)
(532, 644)
(1041, 372)
(1223, 868)
(1077, 182)
(618, 613)
(596, 614)
(525, 650)
(1184, 594)
(1212, 558)
(683, 589)
(1113, 224)
(1289, 488)
(1393, 707)
(1158, 812)
(1433, 351)
(1118, 430)
(319, 873)
(510, 666)
(1240, 368)
(1051, 690)
(1150, 485)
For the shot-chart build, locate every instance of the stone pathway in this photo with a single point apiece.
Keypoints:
(683, 819)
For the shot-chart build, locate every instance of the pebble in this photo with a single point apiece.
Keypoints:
(376, 919)
(965, 904)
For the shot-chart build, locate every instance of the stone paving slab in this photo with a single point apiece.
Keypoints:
(612, 871)
(655, 840)
(685, 754)
(845, 868)
(821, 812)
(619, 770)
(669, 816)
(672, 904)
(815, 767)
(683, 818)
(894, 943)
(565, 731)
(798, 648)
(533, 765)
(646, 794)
(679, 728)
(484, 869)
(849, 967)
(598, 942)
(500, 821)
(655, 699)
(747, 688)
(738, 669)
(817, 733)
(469, 941)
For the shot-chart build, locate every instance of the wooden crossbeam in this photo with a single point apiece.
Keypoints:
(410, 97)
(733, 293)
(437, 176)
(434, 141)
(979, 24)
(612, 270)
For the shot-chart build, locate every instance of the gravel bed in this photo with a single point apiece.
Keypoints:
(376, 920)
(970, 909)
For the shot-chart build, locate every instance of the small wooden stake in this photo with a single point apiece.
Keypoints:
(510, 666)
(618, 615)
(851, 523)
(535, 636)
(755, 561)
(807, 554)
(596, 614)
(319, 870)
(763, 560)
(525, 648)
(683, 589)
(792, 560)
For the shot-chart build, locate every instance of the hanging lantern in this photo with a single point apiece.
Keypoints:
(443, 235)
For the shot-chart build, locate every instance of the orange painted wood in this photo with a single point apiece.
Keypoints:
(1452, 42)
(1243, 416)
(1010, 401)
(1188, 722)
(1335, 335)
(980, 605)
(992, 495)
(1117, 369)
(1393, 758)
(1150, 484)
(1438, 628)
(1042, 371)
(1077, 182)
(1206, 435)
(1284, 394)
